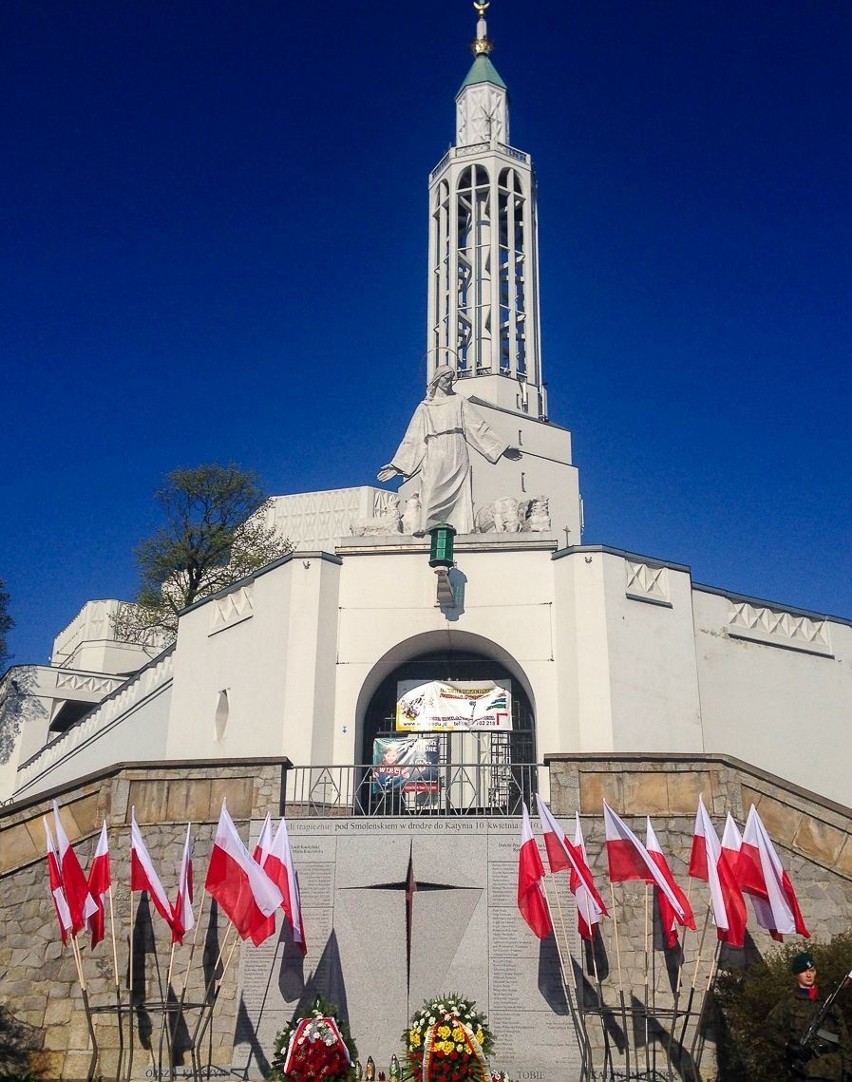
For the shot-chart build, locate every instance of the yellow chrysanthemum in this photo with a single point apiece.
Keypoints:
(414, 1039)
(444, 1032)
(479, 1035)
(458, 1034)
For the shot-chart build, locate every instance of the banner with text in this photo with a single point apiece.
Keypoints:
(450, 706)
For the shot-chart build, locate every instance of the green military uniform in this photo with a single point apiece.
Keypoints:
(788, 1022)
(826, 1057)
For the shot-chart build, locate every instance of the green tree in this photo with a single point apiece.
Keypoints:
(6, 622)
(214, 534)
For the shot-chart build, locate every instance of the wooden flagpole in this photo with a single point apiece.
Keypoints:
(118, 1004)
(620, 984)
(205, 1015)
(75, 948)
(579, 1027)
(647, 993)
(694, 978)
(182, 998)
(130, 987)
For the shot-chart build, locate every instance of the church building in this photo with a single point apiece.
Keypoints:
(460, 625)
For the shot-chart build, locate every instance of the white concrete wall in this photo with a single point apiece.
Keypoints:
(136, 734)
(617, 653)
(270, 645)
(388, 599)
(774, 703)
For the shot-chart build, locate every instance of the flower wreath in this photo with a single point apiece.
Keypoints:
(448, 1040)
(315, 1044)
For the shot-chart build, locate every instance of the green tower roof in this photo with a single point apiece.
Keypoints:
(482, 71)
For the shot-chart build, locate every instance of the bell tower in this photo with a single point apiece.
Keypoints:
(483, 249)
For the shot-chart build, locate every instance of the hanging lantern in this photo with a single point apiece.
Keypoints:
(441, 548)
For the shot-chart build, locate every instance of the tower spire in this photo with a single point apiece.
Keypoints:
(481, 46)
(483, 250)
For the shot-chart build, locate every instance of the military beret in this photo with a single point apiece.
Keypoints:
(802, 962)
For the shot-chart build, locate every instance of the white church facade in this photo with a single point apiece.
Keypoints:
(608, 650)
(622, 678)
(612, 651)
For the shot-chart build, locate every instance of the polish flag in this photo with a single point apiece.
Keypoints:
(239, 884)
(143, 876)
(705, 863)
(100, 880)
(278, 865)
(669, 919)
(761, 874)
(531, 900)
(734, 901)
(260, 855)
(563, 854)
(184, 919)
(81, 905)
(588, 910)
(60, 903)
(628, 859)
(264, 842)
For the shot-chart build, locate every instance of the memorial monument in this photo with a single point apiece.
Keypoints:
(622, 677)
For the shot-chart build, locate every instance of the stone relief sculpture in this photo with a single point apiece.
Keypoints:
(388, 521)
(436, 445)
(508, 515)
(538, 515)
(411, 514)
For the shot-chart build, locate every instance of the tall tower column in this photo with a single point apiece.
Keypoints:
(483, 311)
(483, 249)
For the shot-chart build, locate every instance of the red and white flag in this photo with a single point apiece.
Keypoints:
(705, 863)
(278, 864)
(60, 904)
(669, 919)
(264, 843)
(733, 895)
(239, 884)
(531, 900)
(184, 919)
(588, 911)
(99, 882)
(81, 905)
(143, 876)
(563, 854)
(761, 875)
(628, 859)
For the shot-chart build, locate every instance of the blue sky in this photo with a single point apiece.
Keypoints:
(214, 249)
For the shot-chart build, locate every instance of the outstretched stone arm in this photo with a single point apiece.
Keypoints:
(388, 471)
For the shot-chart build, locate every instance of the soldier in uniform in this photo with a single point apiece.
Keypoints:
(825, 1058)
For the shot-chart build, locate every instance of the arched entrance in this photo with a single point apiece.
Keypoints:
(483, 772)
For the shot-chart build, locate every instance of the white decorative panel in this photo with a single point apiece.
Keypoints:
(233, 608)
(317, 520)
(647, 583)
(69, 680)
(779, 628)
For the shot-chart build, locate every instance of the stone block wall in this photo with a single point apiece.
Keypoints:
(40, 983)
(631, 968)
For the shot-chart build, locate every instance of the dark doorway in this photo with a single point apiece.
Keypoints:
(483, 772)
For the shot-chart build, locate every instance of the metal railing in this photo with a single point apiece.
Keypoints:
(450, 789)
